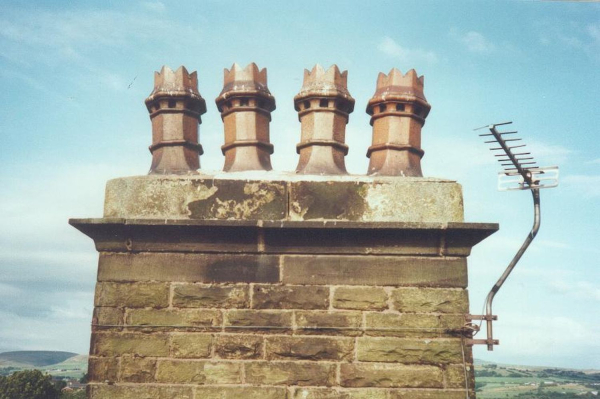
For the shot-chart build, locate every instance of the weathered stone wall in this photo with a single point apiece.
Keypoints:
(196, 305)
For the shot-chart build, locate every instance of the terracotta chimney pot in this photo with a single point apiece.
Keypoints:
(323, 106)
(246, 104)
(398, 110)
(175, 106)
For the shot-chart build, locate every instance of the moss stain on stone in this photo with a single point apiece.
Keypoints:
(325, 200)
(256, 200)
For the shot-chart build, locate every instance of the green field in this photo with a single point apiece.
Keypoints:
(495, 381)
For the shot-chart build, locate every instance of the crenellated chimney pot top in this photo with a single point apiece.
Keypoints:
(396, 86)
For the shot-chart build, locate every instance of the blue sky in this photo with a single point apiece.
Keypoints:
(74, 76)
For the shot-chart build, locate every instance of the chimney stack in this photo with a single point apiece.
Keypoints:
(246, 104)
(272, 285)
(323, 106)
(175, 106)
(398, 110)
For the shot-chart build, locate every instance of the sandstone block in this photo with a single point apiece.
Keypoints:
(258, 320)
(239, 346)
(137, 369)
(116, 344)
(138, 392)
(424, 300)
(240, 393)
(374, 270)
(188, 267)
(201, 296)
(408, 350)
(103, 369)
(198, 372)
(455, 376)
(290, 373)
(138, 295)
(175, 319)
(309, 348)
(290, 297)
(328, 323)
(360, 298)
(390, 375)
(411, 324)
(108, 317)
(191, 346)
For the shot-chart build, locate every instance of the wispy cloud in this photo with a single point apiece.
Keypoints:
(594, 162)
(580, 289)
(9, 291)
(48, 268)
(552, 244)
(391, 48)
(549, 153)
(88, 29)
(473, 41)
(451, 153)
(586, 185)
(532, 335)
(157, 6)
(58, 40)
(575, 35)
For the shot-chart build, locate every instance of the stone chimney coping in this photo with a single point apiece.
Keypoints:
(285, 197)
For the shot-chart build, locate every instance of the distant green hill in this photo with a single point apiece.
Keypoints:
(34, 358)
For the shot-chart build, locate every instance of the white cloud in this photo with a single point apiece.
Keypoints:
(546, 341)
(594, 162)
(586, 185)
(88, 29)
(32, 333)
(580, 289)
(456, 157)
(594, 32)
(538, 333)
(547, 154)
(574, 35)
(7, 290)
(157, 6)
(564, 282)
(552, 244)
(74, 39)
(389, 47)
(451, 155)
(474, 41)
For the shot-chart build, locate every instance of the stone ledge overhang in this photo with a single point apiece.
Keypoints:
(284, 237)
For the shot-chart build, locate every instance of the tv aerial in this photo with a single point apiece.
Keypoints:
(520, 173)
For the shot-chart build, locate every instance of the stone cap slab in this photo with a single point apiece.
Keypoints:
(284, 196)
(284, 237)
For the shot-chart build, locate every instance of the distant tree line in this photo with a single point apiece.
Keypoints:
(570, 374)
(33, 384)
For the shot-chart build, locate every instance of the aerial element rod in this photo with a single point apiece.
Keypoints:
(498, 136)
